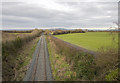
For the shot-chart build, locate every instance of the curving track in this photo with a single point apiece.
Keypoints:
(39, 69)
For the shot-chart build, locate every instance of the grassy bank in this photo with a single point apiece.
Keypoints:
(81, 65)
(11, 43)
(91, 40)
(12, 59)
(24, 58)
(61, 70)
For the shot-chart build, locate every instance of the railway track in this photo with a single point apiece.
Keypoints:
(39, 69)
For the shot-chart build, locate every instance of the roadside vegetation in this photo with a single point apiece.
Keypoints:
(15, 55)
(84, 66)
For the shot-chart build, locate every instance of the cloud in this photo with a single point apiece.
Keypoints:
(54, 13)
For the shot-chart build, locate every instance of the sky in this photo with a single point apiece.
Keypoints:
(44, 14)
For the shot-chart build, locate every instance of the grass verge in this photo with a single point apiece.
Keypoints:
(60, 68)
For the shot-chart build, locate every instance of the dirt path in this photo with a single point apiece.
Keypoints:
(39, 69)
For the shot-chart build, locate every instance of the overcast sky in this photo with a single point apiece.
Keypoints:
(26, 14)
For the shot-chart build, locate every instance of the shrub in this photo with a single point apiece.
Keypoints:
(106, 60)
(112, 76)
(58, 32)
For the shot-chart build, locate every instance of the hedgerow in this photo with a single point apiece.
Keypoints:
(10, 53)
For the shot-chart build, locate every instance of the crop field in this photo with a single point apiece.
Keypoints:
(91, 40)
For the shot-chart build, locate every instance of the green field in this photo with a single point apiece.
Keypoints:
(91, 40)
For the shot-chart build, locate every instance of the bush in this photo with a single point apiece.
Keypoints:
(106, 60)
(112, 76)
(58, 32)
(83, 67)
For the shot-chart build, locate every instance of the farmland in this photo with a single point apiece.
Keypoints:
(91, 40)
